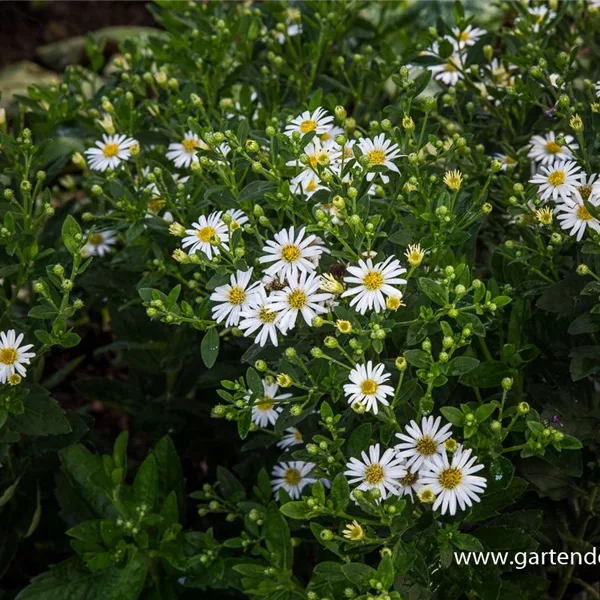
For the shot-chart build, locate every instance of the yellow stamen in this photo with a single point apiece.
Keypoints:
(450, 478)
(373, 280)
(8, 356)
(374, 474)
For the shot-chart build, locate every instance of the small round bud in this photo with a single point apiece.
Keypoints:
(523, 408)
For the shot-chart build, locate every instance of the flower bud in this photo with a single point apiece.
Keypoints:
(523, 408)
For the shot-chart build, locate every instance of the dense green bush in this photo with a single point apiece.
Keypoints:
(360, 237)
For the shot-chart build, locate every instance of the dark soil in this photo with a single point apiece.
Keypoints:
(24, 26)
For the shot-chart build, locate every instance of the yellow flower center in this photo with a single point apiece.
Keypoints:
(206, 234)
(553, 147)
(313, 160)
(312, 186)
(464, 36)
(266, 316)
(95, 239)
(376, 157)
(292, 477)
(265, 404)
(368, 387)
(584, 214)
(343, 326)
(509, 160)
(354, 532)
(156, 205)
(556, 178)
(426, 446)
(409, 479)
(308, 125)
(373, 280)
(110, 150)
(325, 137)
(297, 299)
(14, 379)
(374, 474)
(348, 152)
(190, 145)
(450, 67)
(290, 253)
(450, 478)
(297, 436)
(585, 191)
(8, 356)
(236, 295)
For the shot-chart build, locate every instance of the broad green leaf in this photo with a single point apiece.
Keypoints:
(209, 348)
(277, 536)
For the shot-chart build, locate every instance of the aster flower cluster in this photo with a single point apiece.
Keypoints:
(420, 464)
(561, 181)
(344, 242)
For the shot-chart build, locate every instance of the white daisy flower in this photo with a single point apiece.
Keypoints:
(292, 437)
(233, 297)
(328, 138)
(341, 155)
(573, 216)
(468, 36)
(265, 410)
(238, 218)
(259, 316)
(13, 356)
(589, 188)
(308, 183)
(507, 161)
(449, 71)
(540, 15)
(558, 181)
(545, 150)
(99, 243)
(293, 477)
(291, 253)
(454, 481)
(373, 283)
(300, 296)
(109, 152)
(411, 482)
(380, 152)
(319, 121)
(184, 154)
(375, 472)
(368, 387)
(422, 443)
(203, 233)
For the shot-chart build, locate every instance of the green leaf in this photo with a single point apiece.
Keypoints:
(70, 229)
(9, 492)
(417, 358)
(295, 510)
(79, 466)
(209, 348)
(484, 412)
(70, 580)
(254, 383)
(145, 485)
(277, 536)
(570, 443)
(433, 290)
(169, 470)
(453, 415)
(340, 493)
(461, 365)
(42, 416)
(359, 440)
(358, 573)
(486, 374)
(230, 486)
